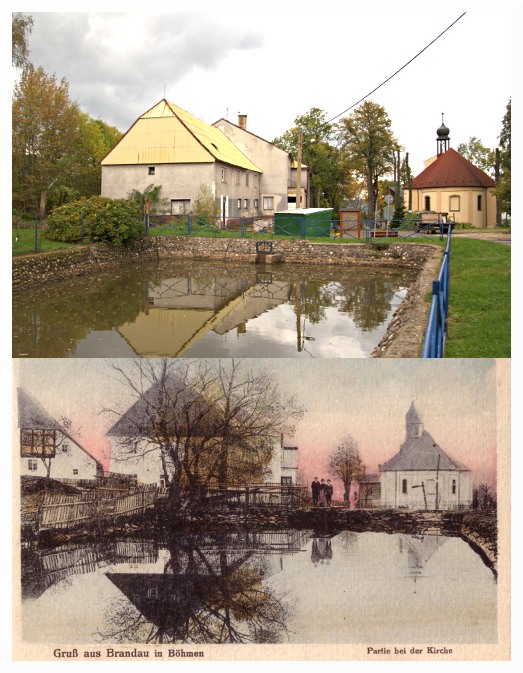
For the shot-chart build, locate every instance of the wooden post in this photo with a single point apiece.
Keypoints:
(298, 172)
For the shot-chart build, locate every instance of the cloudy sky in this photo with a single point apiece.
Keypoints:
(368, 399)
(275, 64)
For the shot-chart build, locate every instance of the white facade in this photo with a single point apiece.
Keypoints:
(43, 442)
(273, 161)
(421, 475)
(283, 468)
(144, 464)
(70, 461)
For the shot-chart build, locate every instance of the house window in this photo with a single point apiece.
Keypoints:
(247, 179)
(239, 203)
(454, 204)
(180, 206)
(66, 448)
(38, 443)
(75, 472)
(256, 180)
(453, 487)
(268, 203)
(237, 177)
(32, 465)
(152, 592)
(427, 203)
(246, 203)
(224, 175)
(404, 486)
(286, 481)
(480, 202)
(152, 170)
(255, 203)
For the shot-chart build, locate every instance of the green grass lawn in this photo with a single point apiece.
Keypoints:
(479, 301)
(24, 242)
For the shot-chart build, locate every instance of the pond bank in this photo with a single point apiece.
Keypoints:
(403, 336)
(477, 527)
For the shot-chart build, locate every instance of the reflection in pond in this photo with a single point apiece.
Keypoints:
(261, 587)
(203, 310)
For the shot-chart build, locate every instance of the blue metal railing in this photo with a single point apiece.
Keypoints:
(436, 332)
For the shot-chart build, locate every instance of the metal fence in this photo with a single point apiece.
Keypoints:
(298, 227)
(436, 332)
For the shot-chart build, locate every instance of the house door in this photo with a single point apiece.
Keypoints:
(430, 493)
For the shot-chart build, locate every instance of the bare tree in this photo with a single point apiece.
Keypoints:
(206, 421)
(345, 463)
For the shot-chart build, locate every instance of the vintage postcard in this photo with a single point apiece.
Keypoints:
(217, 510)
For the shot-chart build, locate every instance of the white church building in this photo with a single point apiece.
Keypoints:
(421, 475)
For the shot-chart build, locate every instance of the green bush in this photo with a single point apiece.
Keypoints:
(116, 221)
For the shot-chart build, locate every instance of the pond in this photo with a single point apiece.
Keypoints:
(292, 586)
(200, 309)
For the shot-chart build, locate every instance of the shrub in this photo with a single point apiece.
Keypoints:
(116, 221)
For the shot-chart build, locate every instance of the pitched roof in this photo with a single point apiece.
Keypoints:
(420, 451)
(172, 398)
(167, 134)
(451, 169)
(32, 415)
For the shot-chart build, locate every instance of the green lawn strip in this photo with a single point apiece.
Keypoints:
(23, 242)
(479, 300)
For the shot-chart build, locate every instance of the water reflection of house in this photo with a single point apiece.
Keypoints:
(421, 475)
(181, 310)
(42, 569)
(419, 549)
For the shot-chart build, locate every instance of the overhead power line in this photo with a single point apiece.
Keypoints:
(399, 70)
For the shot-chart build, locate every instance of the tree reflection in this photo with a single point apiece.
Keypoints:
(208, 593)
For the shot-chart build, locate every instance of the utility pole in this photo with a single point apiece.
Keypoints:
(298, 172)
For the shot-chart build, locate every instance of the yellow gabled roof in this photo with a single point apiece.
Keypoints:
(166, 134)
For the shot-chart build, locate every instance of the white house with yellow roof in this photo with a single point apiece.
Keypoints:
(170, 147)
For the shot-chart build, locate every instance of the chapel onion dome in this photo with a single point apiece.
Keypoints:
(443, 132)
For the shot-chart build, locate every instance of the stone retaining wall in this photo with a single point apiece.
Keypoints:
(402, 339)
(35, 269)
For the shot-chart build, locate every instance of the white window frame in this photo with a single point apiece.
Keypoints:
(268, 203)
(186, 203)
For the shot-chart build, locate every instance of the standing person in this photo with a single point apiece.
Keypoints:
(329, 490)
(323, 499)
(315, 488)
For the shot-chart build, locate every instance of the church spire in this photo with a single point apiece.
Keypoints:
(443, 140)
(413, 423)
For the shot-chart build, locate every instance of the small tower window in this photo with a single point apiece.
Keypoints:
(427, 203)
(404, 486)
(480, 202)
(453, 487)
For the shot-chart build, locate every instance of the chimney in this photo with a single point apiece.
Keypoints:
(242, 121)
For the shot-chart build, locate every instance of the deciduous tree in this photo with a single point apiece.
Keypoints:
(45, 124)
(345, 463)
(505, 158)
(368, 147)
(206, 421)
(481, 156)
(21, 27)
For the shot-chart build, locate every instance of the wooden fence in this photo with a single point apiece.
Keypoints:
(65, 511)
